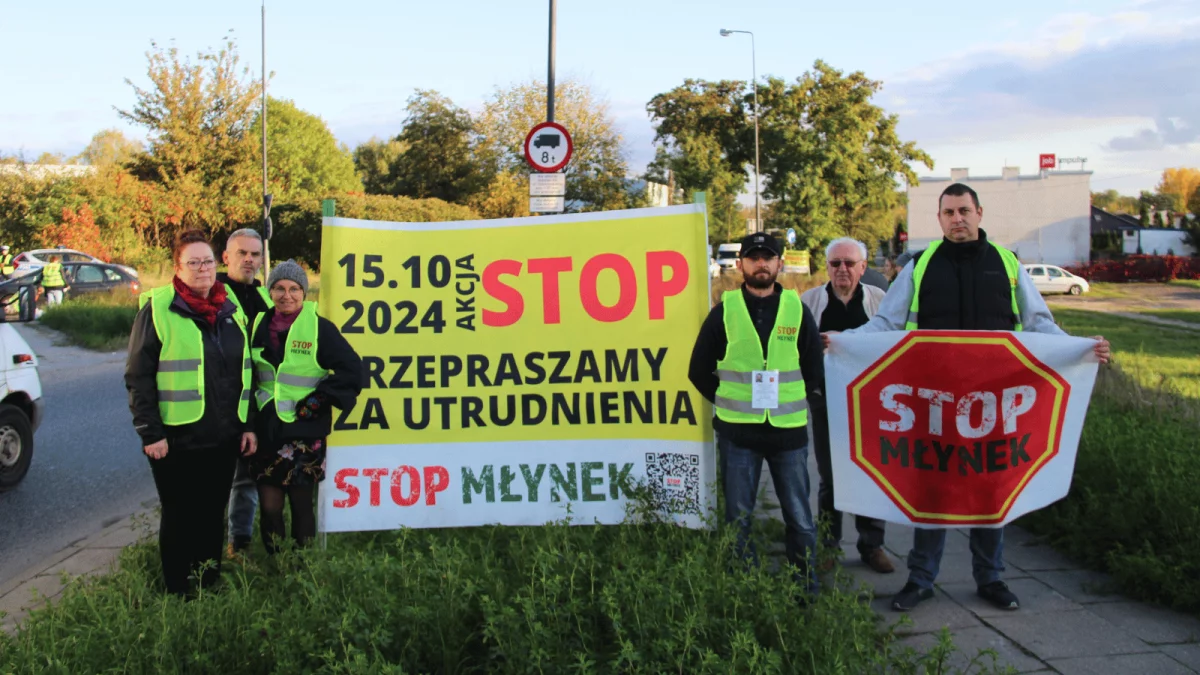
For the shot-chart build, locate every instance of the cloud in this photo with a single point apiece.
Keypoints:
(1079, 71)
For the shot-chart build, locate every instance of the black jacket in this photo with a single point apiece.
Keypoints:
(247, 294)
(710, 348)
(341, 387)
(966, 288)
(222, 380)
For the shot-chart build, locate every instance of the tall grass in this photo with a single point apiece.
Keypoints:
(97, 321)
(636, 598)
(1134, 505)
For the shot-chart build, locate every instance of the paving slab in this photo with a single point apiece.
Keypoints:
(970, 641)
(930, 616)
(1034, 595)
(1083, 586)
(1148, 664)
(31, 593)
(1062, 635)
(85, 561)
(119, 536)
(1033, 557)
(1188, 655)
(1155, 625)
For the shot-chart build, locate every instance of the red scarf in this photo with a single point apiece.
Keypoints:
(208, 307)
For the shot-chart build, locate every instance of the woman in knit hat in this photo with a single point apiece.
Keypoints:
(303, 368)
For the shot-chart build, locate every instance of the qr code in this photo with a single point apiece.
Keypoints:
(674, 481)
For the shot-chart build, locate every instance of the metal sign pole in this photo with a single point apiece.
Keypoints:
(266, 204)
(550, 65)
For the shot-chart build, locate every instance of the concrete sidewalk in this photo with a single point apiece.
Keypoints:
(1067, 622)
(95, 554)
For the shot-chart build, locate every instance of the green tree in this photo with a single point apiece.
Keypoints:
(373, 162)
(701, 129)
(438, 160)
(596, 176)
(1115, 202)
(198, 118)
(832, 157)
(110, 147)
(51, 158)
(303, 158)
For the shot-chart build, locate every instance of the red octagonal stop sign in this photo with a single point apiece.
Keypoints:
(953, 425)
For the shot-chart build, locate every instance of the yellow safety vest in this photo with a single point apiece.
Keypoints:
(298, 374)
(6, 266)
(52, 275)
(180, 376)
(743, 356)
(1011, 265)
(241, 313)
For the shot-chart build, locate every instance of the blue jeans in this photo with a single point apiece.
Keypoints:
(741, 469)
(987, 555)
(243, 502)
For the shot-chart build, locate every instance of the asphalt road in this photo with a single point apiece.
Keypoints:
(88, 470)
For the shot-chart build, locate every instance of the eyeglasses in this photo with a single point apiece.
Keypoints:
(838, 263)
(201, 264)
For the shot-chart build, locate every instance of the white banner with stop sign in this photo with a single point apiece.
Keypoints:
(955, 428)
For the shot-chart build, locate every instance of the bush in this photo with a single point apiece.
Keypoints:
(636, 598)
(1140, 268)
(1132, 508)
(100, 321)
(298, 226)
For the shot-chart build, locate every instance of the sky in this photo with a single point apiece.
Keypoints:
(979, 85)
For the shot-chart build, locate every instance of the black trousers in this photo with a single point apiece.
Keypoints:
(870, 530)
(193, 487)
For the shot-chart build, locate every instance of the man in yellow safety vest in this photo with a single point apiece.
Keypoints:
(758, 359)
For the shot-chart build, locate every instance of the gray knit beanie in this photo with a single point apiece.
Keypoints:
(290, 271)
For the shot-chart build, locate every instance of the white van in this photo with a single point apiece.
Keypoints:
(727, 255)
(21, 405)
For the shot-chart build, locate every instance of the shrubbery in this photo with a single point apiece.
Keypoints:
(1140, 268)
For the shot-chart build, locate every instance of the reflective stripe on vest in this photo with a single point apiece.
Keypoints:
(180, 376)
(298, 374)
(744, 355)
(52, 275)
(1012, 267)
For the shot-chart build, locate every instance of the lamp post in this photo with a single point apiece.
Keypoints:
(725, 32)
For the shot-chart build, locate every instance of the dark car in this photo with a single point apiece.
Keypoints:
(547, 140)
(92, 277)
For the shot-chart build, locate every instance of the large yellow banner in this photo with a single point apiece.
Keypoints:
(493, 347)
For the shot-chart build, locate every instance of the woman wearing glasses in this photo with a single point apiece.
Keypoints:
(189, 381)
(303, 367)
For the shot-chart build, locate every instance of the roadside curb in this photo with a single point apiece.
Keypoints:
(44, 581)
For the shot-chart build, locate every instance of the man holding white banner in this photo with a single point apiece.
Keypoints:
(964, 283)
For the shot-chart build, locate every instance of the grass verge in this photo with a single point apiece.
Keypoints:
(1190, 283)
(101, 321)
(1188, 315)
(1131, 510)
(636, 598)
(1155, 356)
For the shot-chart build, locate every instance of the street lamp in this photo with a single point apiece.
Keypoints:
(725, 32)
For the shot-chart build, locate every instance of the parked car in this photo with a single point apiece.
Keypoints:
(727, 256)
(32, 261)
(1052, 279)
(89, 277)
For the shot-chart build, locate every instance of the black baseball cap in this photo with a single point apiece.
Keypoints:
(760, 241)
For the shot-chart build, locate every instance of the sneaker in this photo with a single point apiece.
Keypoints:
(878, 561)
(998, 594)
(910, 596)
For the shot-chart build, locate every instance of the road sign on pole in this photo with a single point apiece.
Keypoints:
(547, 184)
(548, 147)
(546, 204)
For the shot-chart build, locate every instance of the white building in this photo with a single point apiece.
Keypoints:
(1041, 217)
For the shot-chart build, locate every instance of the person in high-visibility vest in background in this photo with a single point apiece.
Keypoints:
(758, 358)
(6, 262)
(962, 282)
(303, 368)
(53, 282)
